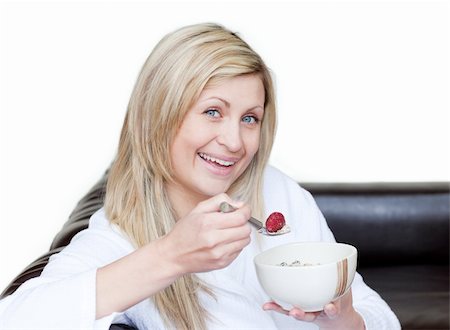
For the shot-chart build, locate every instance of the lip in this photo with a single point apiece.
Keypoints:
(225, 158)
(217, 169)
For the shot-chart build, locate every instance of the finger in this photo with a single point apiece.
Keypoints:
(222, 256)
(331, 310)
(238, 246)
(231, 248)
(235, 218)
(301, 315)
(273, 306)
(310, 317)
(297, 313)
(212, 204)
(234, 234)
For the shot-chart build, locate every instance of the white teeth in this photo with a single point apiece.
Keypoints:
(215, 160)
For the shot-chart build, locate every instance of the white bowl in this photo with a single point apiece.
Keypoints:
(325, 273)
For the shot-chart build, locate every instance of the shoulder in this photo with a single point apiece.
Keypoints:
(101, 229)
(99, 244)
(279, 185)
(101, 224)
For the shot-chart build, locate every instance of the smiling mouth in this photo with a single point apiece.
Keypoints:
(216, 161)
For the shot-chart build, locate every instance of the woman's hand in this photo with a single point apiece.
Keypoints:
(203, 240)
(206, 239)
(339, 314)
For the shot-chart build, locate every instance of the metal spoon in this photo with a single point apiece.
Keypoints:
(226, 208)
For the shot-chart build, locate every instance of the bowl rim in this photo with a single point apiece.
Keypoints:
(259, 263)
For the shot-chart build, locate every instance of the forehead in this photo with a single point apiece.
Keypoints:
(245, 87)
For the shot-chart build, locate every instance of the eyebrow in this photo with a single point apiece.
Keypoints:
(228, 103)
(220, 99)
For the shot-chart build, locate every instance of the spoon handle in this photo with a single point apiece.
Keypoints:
(226, 208)
(255, 222)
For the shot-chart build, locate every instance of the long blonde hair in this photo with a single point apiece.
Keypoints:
(171, 80)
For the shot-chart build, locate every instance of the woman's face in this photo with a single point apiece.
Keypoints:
(218, 138)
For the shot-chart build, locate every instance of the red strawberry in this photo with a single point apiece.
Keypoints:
(275, 222)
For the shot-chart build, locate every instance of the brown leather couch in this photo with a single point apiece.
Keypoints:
(401, 232)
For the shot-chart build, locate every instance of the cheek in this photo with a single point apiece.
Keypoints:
(253, 143)
(197, 135)
(178, 151)
(186, 146)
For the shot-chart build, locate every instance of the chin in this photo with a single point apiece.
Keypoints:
(213, 189)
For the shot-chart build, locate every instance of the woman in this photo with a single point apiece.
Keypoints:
(199, 129)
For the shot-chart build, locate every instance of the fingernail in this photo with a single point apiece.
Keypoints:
(331, 312)
(296, 314)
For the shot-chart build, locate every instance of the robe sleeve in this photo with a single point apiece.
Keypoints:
(311, 225)
(64, 295)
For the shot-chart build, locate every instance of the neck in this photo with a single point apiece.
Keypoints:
(182, 201)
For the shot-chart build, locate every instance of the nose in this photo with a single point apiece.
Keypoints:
(230, 136)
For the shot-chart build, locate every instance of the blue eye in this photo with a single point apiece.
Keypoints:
(250, 120)
(212, 113)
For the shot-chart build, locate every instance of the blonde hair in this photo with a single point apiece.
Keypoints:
(171, 80)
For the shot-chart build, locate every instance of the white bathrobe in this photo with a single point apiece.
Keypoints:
(63, 297)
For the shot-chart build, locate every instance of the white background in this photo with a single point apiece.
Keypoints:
(363, 95)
